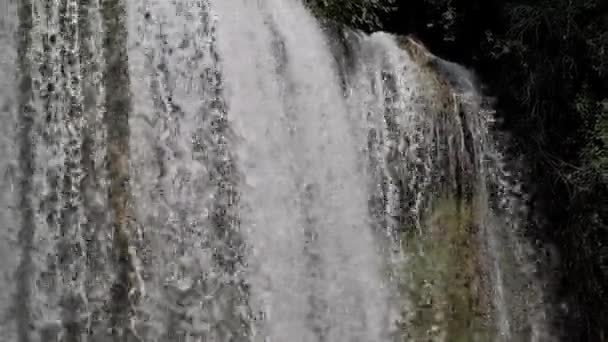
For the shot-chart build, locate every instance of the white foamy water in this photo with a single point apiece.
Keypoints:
(314, 265)
(228, 170)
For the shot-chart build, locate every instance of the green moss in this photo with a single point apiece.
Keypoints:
(439, 279)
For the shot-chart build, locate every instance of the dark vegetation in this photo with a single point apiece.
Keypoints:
(546, 64)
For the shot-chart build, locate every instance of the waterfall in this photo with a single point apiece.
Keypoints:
(230, 170)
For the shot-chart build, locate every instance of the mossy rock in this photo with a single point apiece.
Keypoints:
(439, 279)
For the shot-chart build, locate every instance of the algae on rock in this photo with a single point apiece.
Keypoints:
(439, 278)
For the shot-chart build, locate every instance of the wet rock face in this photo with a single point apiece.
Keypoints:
(443, 279)
(436, 138)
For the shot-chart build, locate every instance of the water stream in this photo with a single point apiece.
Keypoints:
(231, 170)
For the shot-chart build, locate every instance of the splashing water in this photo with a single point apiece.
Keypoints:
(231, 171)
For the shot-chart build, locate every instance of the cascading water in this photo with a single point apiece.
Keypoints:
(443, 192)
(230, 171)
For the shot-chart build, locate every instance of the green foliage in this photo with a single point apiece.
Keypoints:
(361, 14)
(553, 69)
(595, 153)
